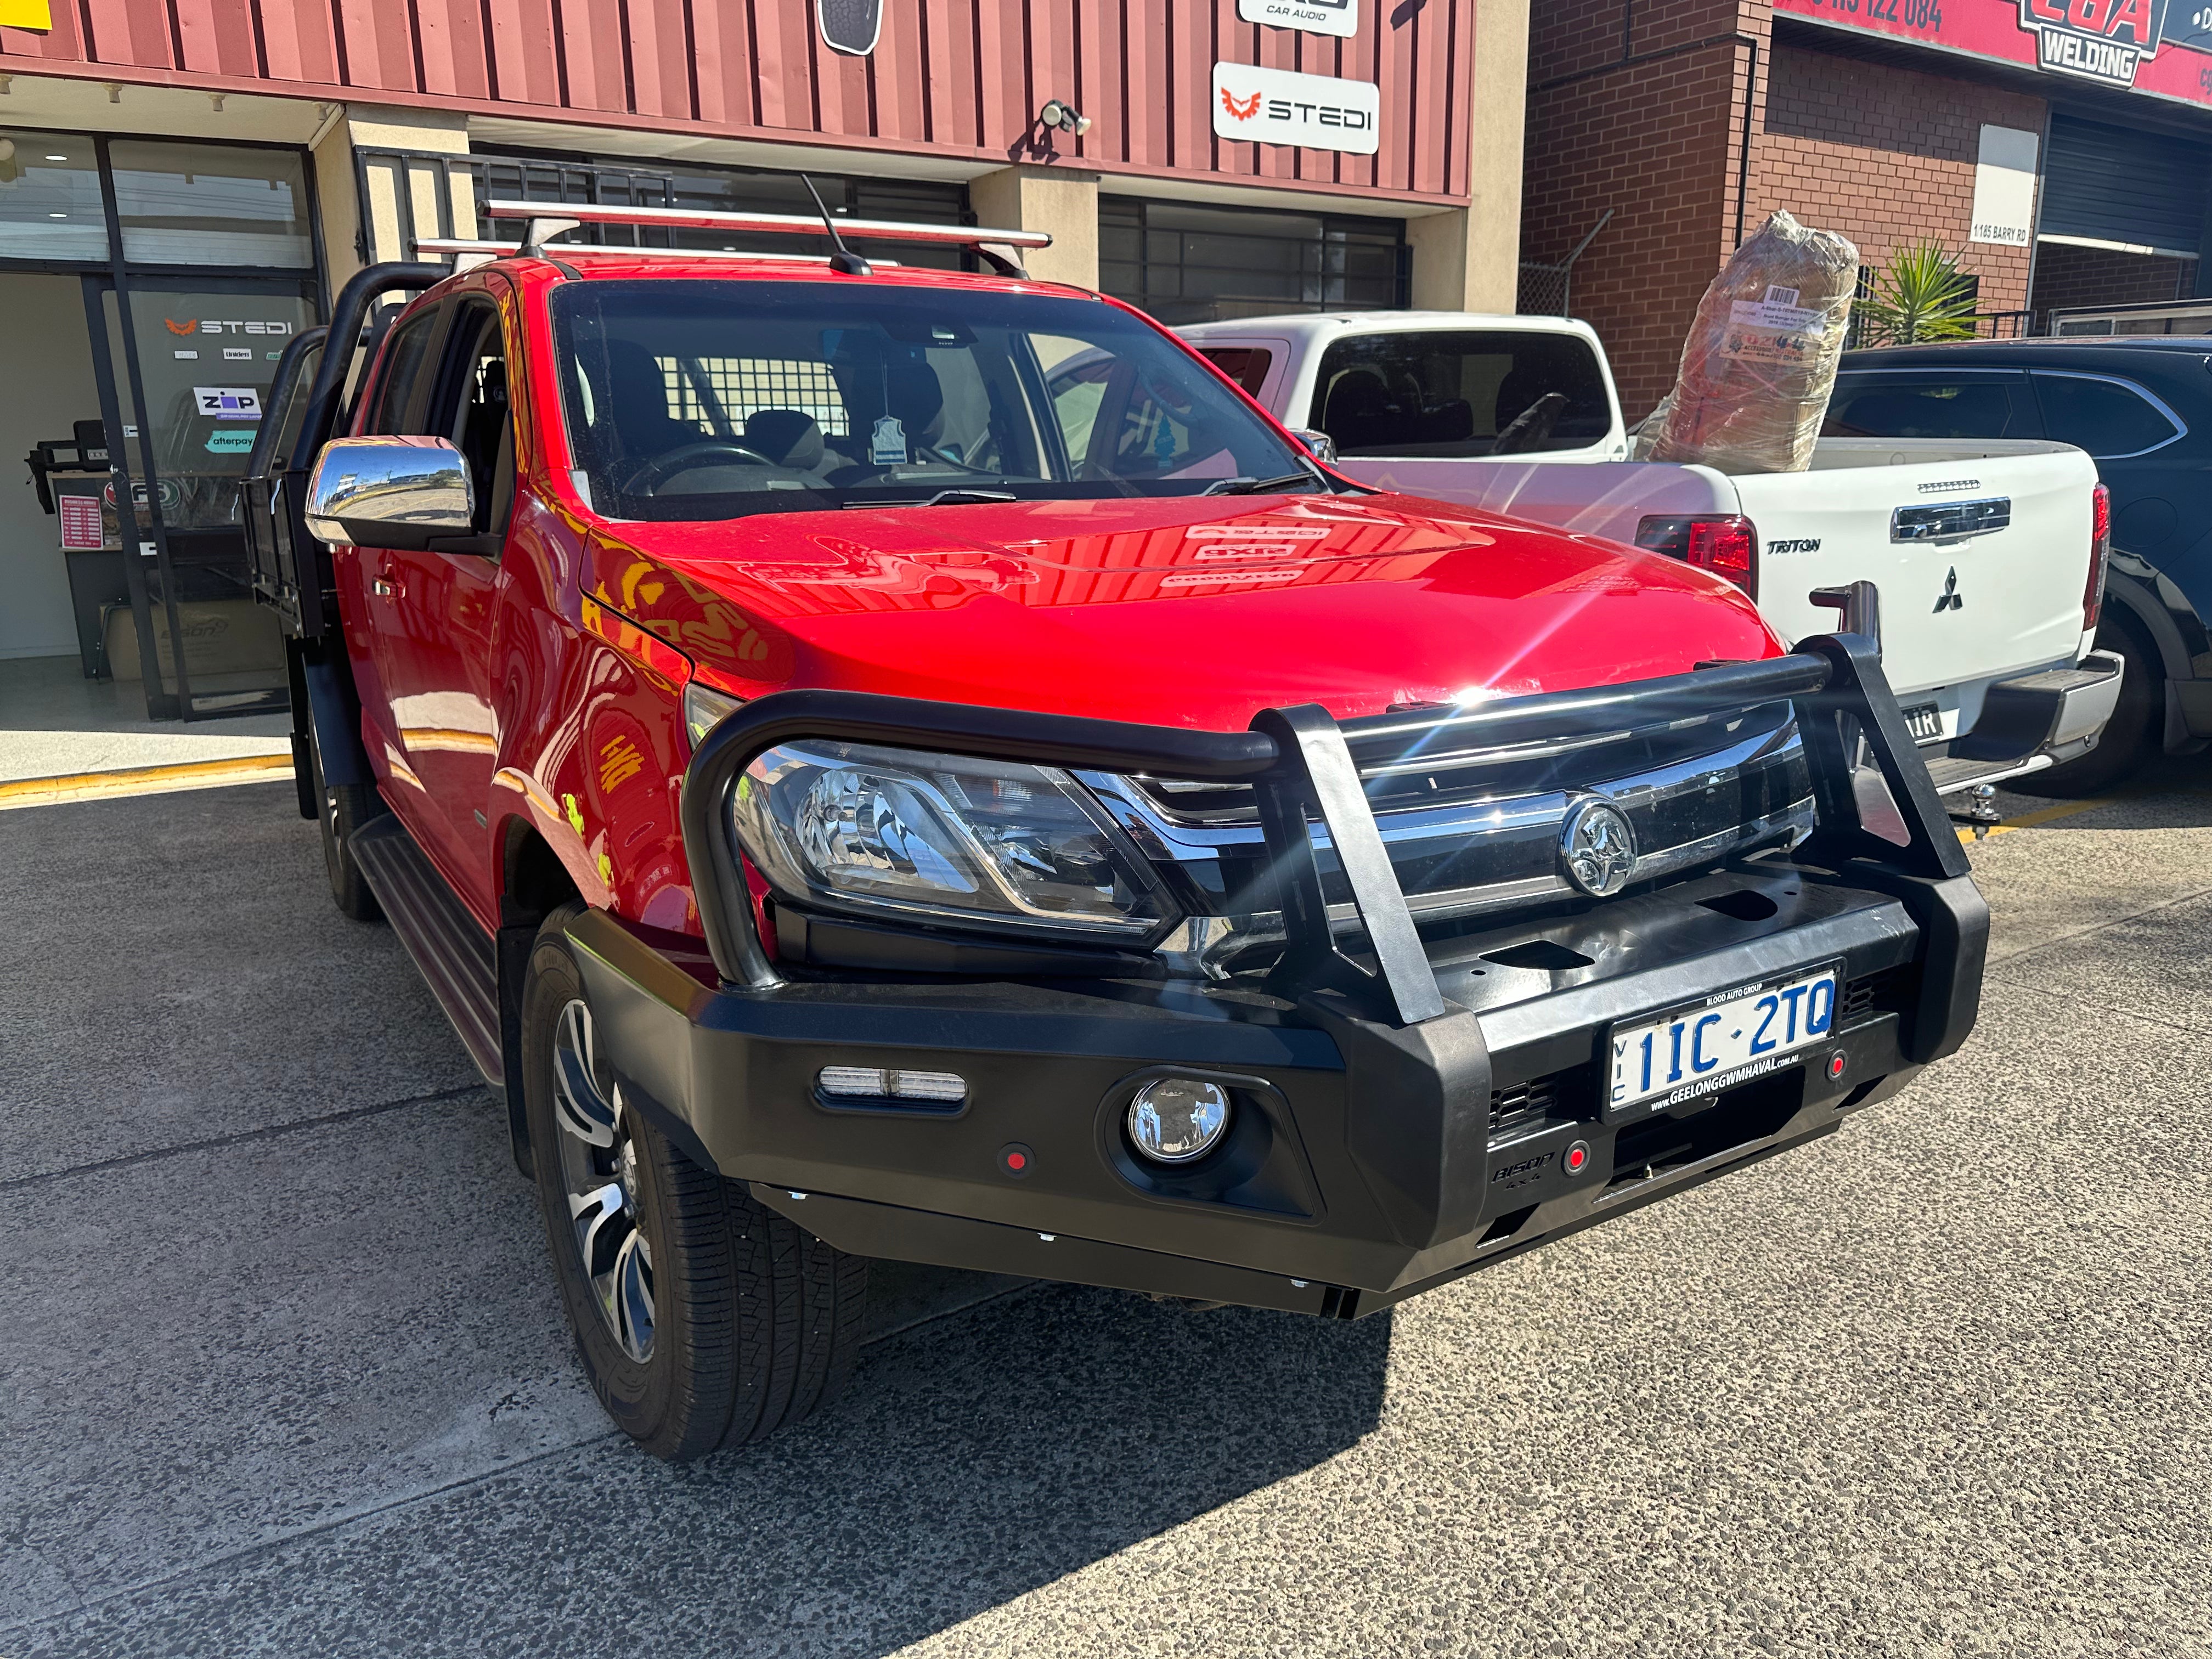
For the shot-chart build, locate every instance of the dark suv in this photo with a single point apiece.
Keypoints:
(2142, 408)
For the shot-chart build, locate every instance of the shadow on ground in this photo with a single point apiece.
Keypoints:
(285, 1368)
(972, 1460)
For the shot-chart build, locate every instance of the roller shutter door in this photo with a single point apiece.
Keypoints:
(2113, 185)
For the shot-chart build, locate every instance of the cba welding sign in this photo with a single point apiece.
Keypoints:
(2102, 40)
(1277, 106)
(1340, 17)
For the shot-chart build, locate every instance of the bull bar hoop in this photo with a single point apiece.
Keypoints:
(1304, 766)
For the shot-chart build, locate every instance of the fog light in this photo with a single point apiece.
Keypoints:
(871, 1083)
(1174, 1120)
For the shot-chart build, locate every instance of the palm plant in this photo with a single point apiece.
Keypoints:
(1919, 294)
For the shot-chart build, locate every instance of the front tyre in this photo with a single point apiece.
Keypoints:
(704, 1318)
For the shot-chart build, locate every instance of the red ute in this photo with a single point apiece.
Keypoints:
(892, 763)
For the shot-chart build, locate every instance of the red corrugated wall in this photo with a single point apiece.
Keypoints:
(961, 77)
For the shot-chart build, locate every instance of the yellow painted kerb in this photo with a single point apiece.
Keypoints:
(143, 779)
(26, 15)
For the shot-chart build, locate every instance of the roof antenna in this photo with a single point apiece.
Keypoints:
(844, 261)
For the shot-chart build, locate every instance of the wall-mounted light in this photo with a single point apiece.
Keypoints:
(1059, 116)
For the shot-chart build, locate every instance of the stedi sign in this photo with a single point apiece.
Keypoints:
(1315, 111)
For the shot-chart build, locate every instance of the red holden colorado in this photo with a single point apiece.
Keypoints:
(887, 762)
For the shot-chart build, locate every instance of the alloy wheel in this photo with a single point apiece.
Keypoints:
(599, 1173)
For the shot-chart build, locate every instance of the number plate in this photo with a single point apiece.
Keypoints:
(1925, 721)
(1714, 1044)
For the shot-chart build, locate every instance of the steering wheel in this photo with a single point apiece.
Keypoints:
(651, 474)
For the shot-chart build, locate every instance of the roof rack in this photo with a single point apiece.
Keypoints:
(1001, 247)
(427, 248)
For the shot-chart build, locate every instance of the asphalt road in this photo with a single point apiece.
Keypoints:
(282, 1370)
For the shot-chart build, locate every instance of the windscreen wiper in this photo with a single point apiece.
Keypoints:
(943, 498)
(1264, 486)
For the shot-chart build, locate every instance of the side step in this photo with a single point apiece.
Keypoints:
(456, 956)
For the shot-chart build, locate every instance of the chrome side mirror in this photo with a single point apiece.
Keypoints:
(389, 492)
(1322, 445)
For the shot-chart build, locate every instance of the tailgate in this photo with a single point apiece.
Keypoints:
(1956, 610)
(1606, 499)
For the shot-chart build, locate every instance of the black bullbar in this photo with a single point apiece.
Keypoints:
(1401, 1113)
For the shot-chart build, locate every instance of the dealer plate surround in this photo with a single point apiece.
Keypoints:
(1696, 1049)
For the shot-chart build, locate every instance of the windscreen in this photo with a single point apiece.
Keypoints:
(694, 400)
(1461, 391)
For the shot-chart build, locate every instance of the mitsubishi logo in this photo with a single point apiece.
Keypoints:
(1597, 847)
(1950, 599)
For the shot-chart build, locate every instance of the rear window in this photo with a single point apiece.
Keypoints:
(1932, 405)
(2108, 418)
(1246, 365)
(1460, 392)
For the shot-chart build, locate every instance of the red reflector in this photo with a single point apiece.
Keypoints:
(1727, 546)
(2100, 550)
(1577, 1155)
(1836, 1064)
(1015, 1158)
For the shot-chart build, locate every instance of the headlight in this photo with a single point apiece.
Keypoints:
(899, 833)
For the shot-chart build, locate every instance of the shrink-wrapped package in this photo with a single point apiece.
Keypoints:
(1760, 360)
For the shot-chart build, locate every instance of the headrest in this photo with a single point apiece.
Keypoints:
(789, 437)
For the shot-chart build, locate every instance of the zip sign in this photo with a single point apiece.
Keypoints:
(228, 402)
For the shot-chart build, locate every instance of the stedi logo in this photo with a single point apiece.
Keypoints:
(191, 326)
(1280, 106)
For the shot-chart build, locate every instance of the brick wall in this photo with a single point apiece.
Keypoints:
(1886, 156)
(1639, 109)
(2066, 276)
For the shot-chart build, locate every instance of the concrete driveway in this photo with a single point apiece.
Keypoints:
(282, 1370)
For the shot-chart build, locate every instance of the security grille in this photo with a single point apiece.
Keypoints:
(744, 385)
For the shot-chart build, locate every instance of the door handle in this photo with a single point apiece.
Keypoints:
(385, 588)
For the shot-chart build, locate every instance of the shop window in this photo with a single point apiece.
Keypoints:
(1186, 264)
(2111, 419)
(50, 206)
(1991, 404)
(211, 204)
(1455, 393)
(1246, 365)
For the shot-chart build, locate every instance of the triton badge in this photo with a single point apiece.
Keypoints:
(1597, 847)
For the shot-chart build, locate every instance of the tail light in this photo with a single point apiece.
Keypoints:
(2101, 555)
(1726, 546)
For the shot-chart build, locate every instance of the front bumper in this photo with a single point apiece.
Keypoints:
(1401, 1113)
(1369, 1161)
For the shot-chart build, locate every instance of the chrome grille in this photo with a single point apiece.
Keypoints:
(1471, 828)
